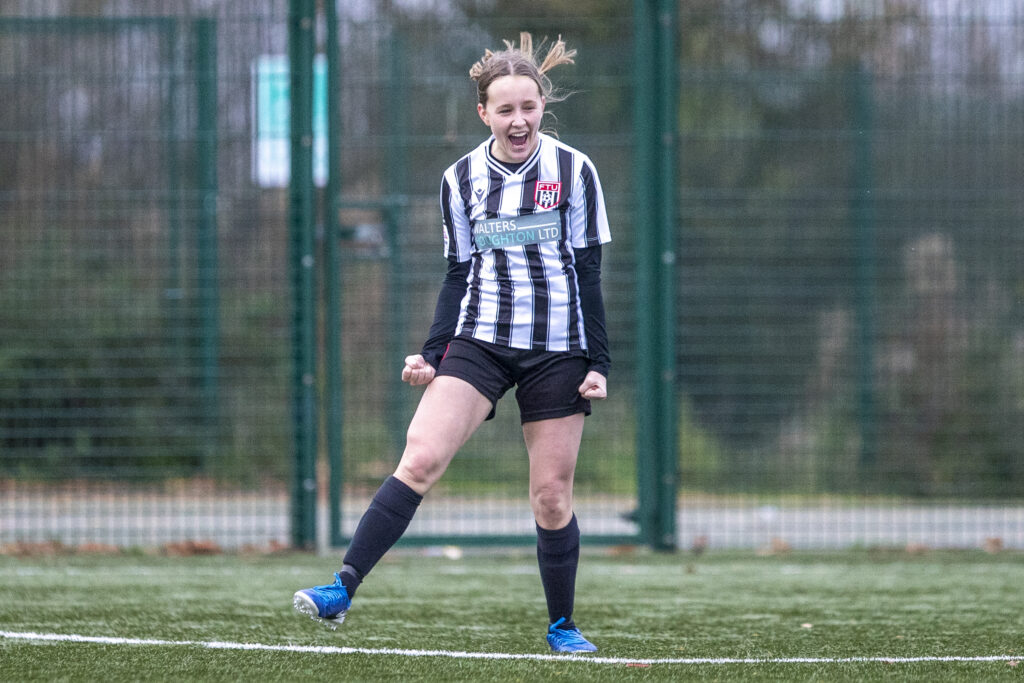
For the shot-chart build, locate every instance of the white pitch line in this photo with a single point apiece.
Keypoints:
(454, 654)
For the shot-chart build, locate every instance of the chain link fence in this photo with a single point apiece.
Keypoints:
(850, 327)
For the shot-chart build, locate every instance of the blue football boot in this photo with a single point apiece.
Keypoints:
(326, 604)
(568, 640)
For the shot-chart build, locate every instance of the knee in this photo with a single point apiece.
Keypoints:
(552, 503)
(421, 465)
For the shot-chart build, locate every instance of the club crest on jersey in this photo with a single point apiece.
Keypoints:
(546, 195)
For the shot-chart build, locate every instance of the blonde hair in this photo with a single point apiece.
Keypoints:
(521, 61)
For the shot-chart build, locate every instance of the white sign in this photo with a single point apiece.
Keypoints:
(271, 104)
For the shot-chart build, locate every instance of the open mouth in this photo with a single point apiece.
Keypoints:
(518, 139)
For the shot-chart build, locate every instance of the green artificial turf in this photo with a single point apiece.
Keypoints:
(855, 604)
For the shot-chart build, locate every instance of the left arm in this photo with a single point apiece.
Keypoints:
(590, 230)
(588, 269)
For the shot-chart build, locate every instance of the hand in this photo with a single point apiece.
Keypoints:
(594, 387)
(417, 371)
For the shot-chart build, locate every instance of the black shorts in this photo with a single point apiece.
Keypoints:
(547, 381)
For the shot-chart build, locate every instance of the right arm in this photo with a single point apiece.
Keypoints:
(446, 313)
(420, 368)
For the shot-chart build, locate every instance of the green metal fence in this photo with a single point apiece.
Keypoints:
(143, 342)
(381, 208)
(818, 341)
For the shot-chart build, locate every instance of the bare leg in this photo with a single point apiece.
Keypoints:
(448, 414)
(553, 446)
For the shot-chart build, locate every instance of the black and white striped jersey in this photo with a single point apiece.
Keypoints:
(520, 228)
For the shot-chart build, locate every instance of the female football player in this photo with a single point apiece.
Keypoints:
(521, 306)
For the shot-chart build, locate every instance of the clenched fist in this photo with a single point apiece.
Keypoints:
(594, 386)
(417, 371)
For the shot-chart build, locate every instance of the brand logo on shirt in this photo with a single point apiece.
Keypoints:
(546, 195)
(517, 231)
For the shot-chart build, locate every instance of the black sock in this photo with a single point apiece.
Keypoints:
(350, 579)
(558, 554)
(383, 523)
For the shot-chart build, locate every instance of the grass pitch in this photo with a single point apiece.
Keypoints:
(857, 615)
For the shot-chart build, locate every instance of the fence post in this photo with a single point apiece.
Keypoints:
(862, 213)
(301, 219)
(655, 23)
(394, 214)
(668, 125)
(170, 121)
(207, 259)
(332, 279)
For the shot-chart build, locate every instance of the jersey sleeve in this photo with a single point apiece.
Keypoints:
(446, 312)
(588, 219)
(455, 222)
(588, 266)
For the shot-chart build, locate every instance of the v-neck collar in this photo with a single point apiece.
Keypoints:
(500, 166)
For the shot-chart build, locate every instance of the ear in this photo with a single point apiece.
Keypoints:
(482, 111)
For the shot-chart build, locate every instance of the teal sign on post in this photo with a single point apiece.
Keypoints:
(271, 114)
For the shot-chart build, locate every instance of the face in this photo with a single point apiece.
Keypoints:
(513, 112)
